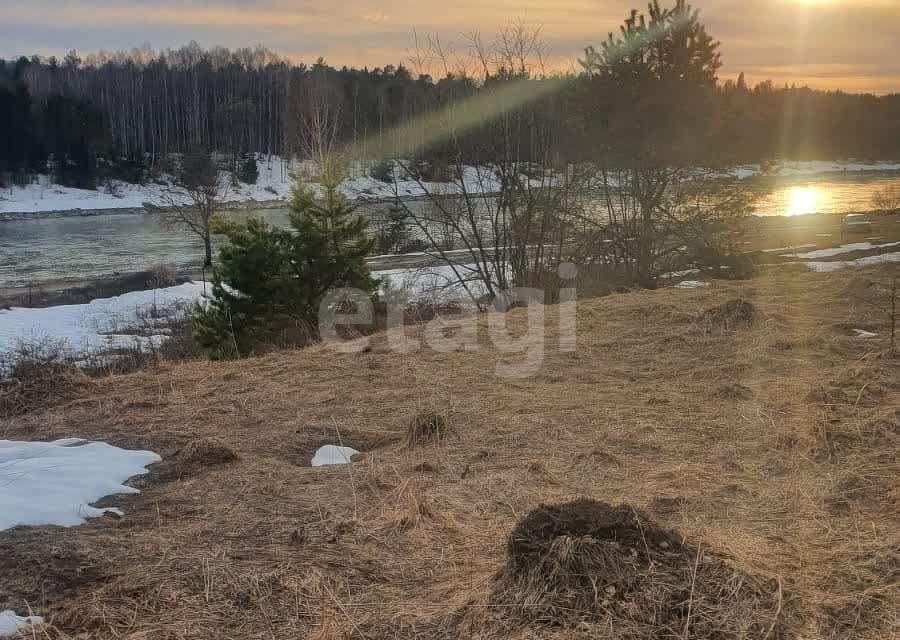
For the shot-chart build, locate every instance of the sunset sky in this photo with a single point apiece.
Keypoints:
(848, 44)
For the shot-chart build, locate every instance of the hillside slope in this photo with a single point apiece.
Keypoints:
(771, 439)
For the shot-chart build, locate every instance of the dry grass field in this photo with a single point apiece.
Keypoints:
(755, 446)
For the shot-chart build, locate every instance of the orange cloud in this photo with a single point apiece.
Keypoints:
(824, 43)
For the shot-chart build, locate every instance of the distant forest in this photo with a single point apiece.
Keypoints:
(124, 112)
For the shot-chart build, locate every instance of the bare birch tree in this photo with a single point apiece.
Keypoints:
(502, 216)
(194, 198)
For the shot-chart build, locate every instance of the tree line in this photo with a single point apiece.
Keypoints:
(125, 112)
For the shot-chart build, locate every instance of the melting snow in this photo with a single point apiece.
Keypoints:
(671, 275)
(332, 454)
(868, 261)
(799, 246)
(10, 623)
(54, 483)
(835, 251)
(862, 333)
(691, 284)
(100, 324)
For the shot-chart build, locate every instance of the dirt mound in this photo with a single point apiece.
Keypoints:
(590, 563)
(734, 314)
(427, 428)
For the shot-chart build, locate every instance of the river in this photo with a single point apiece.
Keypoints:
(71, 248)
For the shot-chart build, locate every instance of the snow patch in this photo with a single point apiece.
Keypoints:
(792, 168)
(10, 623)
(691, 284)
(671, 275)
(868, 261)
(101, 324)
(799, 246)
(862, 333)
(55, 483)
(438, 283)
(836, 251)
(333, 454)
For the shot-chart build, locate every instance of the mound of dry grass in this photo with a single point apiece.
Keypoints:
(589, 563)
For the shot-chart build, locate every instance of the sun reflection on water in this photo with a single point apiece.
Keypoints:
(804, 200)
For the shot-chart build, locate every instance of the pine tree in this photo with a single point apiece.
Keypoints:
(271, 281)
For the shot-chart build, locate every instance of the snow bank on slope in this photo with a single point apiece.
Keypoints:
(102, 324)
(275, 183)
(793, 168)
(10, 623)
(54, 483)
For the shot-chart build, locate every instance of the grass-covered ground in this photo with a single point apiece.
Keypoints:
(762, 432)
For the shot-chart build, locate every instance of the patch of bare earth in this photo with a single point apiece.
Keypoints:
(758, 454)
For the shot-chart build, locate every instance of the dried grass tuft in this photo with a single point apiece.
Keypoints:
(204, 453)
(427, 428)
(734, 314)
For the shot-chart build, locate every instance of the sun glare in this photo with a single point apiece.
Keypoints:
(803, 200)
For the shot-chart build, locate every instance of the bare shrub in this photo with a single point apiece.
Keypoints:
(179, 343)
(38, 375)
(162, 275)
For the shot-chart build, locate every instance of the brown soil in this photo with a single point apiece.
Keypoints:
(790, 490)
